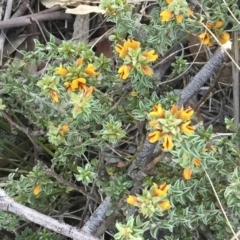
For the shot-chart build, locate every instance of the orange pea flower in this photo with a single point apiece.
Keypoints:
(179, 18)
(79, 62)
(197, 162)
(147, 70)
(36, 190)
(88, 92)
(64, 128)
(54, 96)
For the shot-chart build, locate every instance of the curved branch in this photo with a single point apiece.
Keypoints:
(9, 205)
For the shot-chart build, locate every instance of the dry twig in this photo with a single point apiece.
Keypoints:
(9, 205)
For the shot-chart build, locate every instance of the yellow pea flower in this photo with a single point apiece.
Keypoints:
(121, 50)
(132, 200)
(90, 70)
(205, 38)
(185, 114)
(154, 124)
(69, 87)
(124, 71)
(186, 128)
(36, 190)
(151, 56)
(179, 18)
(154, 136)
(79, 83)
(218, 24)
(187, 173)
(166, 15)
(160, 191)
(158, 111)
(190, 12)
(224, 38)
(167, 142)
(61, 71)
(165, 205)
(131, 44)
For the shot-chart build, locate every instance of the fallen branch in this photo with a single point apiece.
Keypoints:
(9, 205)
(29, 19)
(97, 217)
(136, 169)
(203, 76)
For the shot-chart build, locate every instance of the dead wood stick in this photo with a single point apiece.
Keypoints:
(97, 217)
(2, 36)
(9, 205)
(29, 19)
(203, 76)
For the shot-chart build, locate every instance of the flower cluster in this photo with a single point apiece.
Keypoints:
(134, 58)
(73, 83)
(75, 78)
(176, 8)
(167, 124)
(153, 201)
(217, 29)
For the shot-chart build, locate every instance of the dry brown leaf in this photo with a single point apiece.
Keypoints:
(84, 9)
